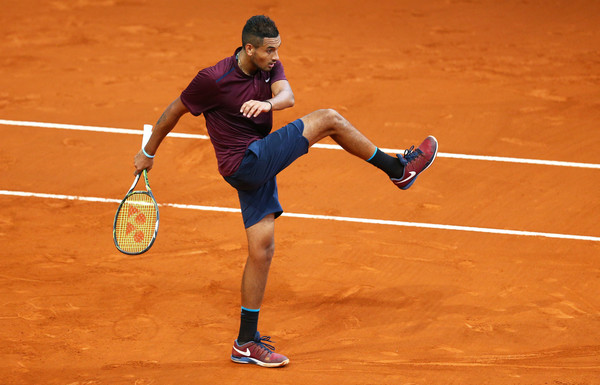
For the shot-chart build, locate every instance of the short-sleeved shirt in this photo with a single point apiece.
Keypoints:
(218, 92)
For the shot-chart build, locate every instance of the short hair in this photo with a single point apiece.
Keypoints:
(257, 28)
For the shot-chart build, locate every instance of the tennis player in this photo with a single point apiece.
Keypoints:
(237, 97)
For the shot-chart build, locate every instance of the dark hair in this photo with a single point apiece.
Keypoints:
(257, 28)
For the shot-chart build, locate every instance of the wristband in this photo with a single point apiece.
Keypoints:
(147, 155)
(271, 104)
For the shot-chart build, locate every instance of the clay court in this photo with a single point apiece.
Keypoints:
(487, 271)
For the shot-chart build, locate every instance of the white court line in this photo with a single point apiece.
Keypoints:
(318, 145)
(320, 217)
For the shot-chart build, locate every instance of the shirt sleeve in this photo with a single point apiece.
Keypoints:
(201, 94)
(277, 73)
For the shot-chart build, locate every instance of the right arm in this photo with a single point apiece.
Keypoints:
(165, 124)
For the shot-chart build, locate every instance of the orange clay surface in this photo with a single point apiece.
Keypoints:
(349, 303)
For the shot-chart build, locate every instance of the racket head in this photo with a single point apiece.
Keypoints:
(136, 223)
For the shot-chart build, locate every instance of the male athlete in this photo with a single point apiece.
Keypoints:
(237, 97)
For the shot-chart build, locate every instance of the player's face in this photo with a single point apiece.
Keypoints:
(265, 56)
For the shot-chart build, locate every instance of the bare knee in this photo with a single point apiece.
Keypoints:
(262, 253)
(268, 252)
(322, 123)
(261, 241)
(332, 119)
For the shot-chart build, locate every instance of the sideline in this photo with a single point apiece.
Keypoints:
(319, 217)
(318, 145)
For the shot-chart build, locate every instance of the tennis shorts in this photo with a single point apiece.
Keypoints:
(255, 180)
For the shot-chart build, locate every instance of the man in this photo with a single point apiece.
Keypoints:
(237, 97)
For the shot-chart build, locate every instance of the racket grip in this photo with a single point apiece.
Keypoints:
(135, 182)
(147, 134)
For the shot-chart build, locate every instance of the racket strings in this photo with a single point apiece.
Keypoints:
(136, 223)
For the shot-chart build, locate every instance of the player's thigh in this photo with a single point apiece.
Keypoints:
(320, 124)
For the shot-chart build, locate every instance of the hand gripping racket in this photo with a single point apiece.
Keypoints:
(136, 221)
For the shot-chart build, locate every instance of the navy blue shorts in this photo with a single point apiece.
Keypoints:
(255, 180)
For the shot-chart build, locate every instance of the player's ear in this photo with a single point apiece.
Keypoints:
(249, 49)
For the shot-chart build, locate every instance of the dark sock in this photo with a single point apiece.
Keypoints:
(248, 325)
(388, 164)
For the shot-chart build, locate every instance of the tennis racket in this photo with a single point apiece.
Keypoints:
(136, 221)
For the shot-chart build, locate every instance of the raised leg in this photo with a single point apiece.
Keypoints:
(323, 123)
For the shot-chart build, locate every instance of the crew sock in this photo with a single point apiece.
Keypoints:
(248, 325)
(389, 164)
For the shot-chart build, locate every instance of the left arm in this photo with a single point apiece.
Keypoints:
(283, 98)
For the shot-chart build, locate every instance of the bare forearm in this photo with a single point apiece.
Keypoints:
(283, 97)
(165, 124)
(143, 160)
(283, 100)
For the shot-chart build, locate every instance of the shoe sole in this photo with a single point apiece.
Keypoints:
(249, 360)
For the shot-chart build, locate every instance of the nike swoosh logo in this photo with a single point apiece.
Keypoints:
(246, 353)
(268, 79)
(412, 174)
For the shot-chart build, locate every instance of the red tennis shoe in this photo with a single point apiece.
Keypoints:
(416, 161)
(258, 352)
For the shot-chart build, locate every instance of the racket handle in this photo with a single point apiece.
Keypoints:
(135, 181)
(147, 134)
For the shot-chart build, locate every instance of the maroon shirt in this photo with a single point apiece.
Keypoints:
(218, 92)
